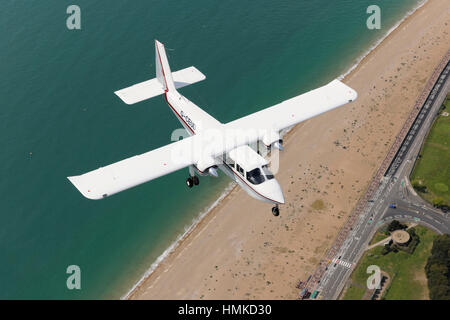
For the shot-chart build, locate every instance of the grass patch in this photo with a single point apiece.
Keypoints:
(378, 237)
(441, 187)
(355, 292)
(431, 175)
(407, 271)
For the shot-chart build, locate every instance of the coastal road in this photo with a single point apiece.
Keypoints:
(395, 188)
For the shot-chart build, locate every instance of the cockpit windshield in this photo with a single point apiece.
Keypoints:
(267, 172)
(255, 176)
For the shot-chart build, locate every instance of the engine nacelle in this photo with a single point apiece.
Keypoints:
(212, 171)
(207, 166)
(278, 144)
(273, 139)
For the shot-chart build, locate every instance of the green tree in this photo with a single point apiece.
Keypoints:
(396, 225)
(437, 268)
(386, 249)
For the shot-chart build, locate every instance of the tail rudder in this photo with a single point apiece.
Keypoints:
(163, 73)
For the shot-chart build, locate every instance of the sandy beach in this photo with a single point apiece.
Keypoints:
(239, 250)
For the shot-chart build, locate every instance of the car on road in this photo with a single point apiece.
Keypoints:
(392, 205)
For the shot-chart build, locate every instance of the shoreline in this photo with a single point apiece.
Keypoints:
(180, 238)
(205, 217)
(378, 42)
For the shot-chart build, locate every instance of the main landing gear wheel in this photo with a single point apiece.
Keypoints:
(276, 211)
(189, 182)
(196, 180)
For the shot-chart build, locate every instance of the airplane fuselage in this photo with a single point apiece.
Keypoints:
(194, 120)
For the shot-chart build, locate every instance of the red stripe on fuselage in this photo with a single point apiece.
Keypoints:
(177, 114)
(162, 69)
(167, 90)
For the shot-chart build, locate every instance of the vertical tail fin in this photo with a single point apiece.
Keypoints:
(163, 73)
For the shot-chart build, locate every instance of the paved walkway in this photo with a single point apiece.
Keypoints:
(386, 240)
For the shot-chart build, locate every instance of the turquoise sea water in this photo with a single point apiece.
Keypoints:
(59, 117)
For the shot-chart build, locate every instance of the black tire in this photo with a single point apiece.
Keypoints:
(189, 182)
(275, 211)
(196, 180)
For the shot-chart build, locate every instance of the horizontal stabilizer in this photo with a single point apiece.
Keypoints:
(152, 88)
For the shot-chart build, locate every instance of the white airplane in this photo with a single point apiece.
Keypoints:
(211, 144)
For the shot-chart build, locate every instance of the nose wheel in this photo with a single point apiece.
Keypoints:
(276, 211)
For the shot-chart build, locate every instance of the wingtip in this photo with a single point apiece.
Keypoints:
(123, 97)
(355, 95)
(351, 92)
(86, 192)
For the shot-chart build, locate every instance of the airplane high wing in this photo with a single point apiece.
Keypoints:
(210, 141)
(125, 174)
(299, 108)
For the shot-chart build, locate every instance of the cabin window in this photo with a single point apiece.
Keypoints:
(267, 172)
(239, 169)
(255, 176)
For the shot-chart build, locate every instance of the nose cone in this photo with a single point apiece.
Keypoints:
(278, 196)
(276, 192)
(270, 191)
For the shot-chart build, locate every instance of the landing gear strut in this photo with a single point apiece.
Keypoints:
(276, 211)
(193, 179)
